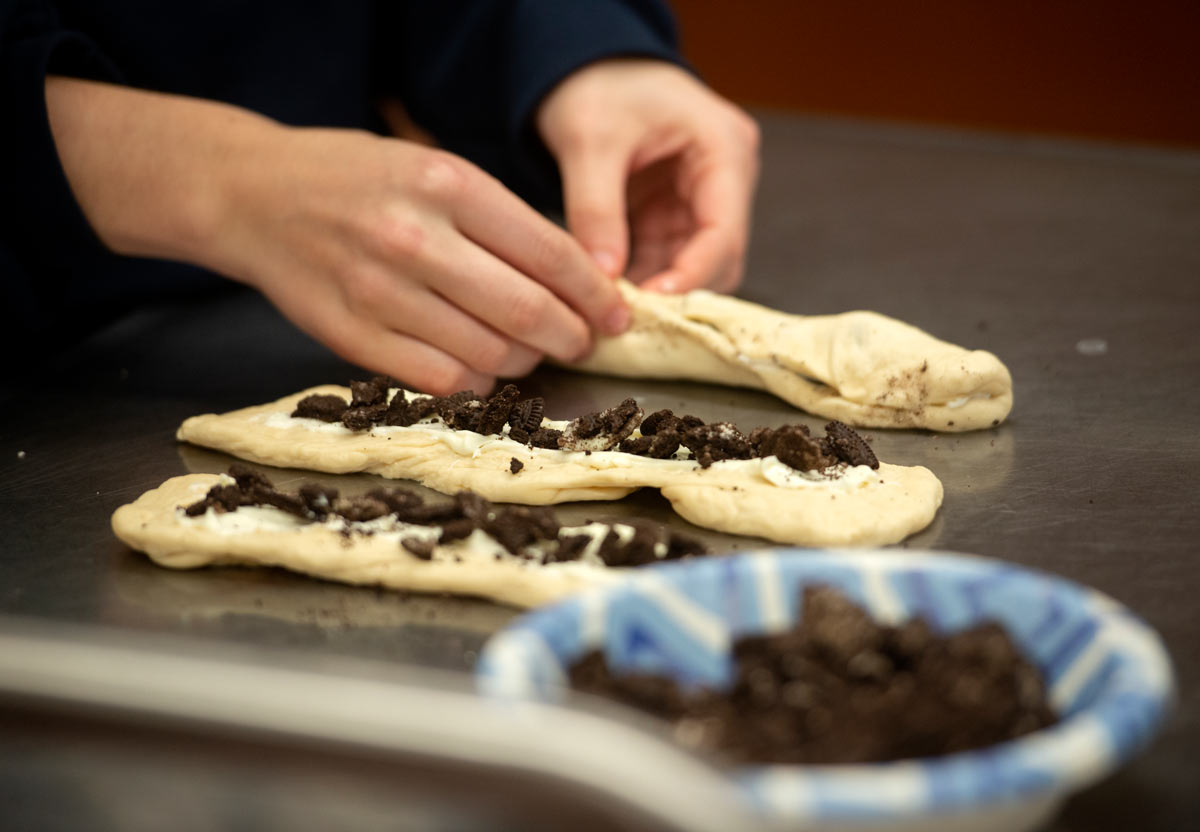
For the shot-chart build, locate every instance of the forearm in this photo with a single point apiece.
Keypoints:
(150, 171)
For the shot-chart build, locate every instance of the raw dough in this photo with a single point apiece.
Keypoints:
(865, 507)
(154, 524)
(862, 368)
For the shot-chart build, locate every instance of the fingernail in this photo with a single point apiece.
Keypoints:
(617, 321)
(606, 260)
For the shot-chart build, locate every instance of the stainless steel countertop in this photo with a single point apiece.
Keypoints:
(1078, 264)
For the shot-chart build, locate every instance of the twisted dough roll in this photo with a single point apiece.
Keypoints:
(863, 368)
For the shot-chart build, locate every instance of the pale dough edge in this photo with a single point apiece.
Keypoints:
(867, 517)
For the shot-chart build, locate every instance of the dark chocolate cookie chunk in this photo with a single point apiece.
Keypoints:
(318, 499)
(848, 446)
(545, 438)
(657, 446)
(402, 412)
(327, 408)
(794, 446)
(497, 410)
(374, 391)
(248, 479)
(715, 442)
(842, 688)
(604, 430)
(525, 418)
(362, 509)
(421, 547)
(364, 418)
(461, 410)
(569, 547)
(457, 529)
(659, 420)
(515, 465)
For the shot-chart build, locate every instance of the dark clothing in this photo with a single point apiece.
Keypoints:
(469, 71)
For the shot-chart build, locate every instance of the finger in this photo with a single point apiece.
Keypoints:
(704, 262)
(498, 221)
(414, 363)
(413, 309)
(594, 197)
(715, 253)
(492, 291)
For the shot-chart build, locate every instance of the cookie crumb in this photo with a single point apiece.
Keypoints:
(840, 687)
(515, 465)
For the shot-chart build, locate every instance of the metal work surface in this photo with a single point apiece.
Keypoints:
(1079, 265)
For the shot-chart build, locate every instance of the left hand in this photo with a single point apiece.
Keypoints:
(658, 173)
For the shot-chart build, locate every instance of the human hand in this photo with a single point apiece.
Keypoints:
(658, 173)
(403, 259)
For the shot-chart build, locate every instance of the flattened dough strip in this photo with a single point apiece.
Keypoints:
(886, 508)
(153, 524)
(862, 368)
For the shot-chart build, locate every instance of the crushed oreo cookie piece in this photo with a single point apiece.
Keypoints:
(457, 529)
(569, 546)
(547, 438)
(518, 527)
(604, 430)
(665, 421)
(327, 408)
(793, 445)
(715, 442)
(374, 391)
(403, 412)
(248, 479)
(462, 410)
(525, 418)
(419, 546)
(497, 410)
(364, 418)
(848, 446)
(318, 499)
(515, 465)
(841, 688)
(363, 509)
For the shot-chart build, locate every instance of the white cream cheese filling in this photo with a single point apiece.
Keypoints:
(954, 404)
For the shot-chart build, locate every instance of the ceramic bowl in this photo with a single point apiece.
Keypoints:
(1107, 674)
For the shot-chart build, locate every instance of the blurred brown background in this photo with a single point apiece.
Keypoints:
(1126, 70)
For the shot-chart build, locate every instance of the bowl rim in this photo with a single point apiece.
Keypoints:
(1075, 752)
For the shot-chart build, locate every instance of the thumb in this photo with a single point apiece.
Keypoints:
(594, 199)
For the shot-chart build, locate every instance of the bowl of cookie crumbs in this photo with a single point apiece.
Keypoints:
(858, 689)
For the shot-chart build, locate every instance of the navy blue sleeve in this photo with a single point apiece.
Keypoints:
(472, 72)
(43, 233)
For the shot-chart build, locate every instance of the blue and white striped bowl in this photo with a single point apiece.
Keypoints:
(1108, 675)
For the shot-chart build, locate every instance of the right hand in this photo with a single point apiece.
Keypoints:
(402, 259)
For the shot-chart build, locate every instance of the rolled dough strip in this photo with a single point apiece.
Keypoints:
(865, 508)
(862, 368)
